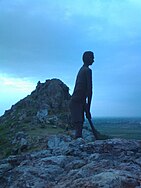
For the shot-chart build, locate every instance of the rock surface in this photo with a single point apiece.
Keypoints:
(67, 163)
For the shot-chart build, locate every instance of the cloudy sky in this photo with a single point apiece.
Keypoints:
(45, 39)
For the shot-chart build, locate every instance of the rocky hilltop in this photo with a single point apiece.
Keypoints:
(47, 104)
(37, 149)
(26, 125)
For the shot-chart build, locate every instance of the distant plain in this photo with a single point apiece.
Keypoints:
(128, 128)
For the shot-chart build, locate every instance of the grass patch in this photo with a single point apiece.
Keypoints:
(5, 138)
(48, 130)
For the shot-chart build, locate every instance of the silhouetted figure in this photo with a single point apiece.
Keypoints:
(82, 94)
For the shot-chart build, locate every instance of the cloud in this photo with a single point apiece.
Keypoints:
(12, 84)
(39, 29)
(13, 89)
(109, 21)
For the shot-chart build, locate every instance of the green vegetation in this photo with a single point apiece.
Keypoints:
(5, 141)
(47, 130)
(7, 135)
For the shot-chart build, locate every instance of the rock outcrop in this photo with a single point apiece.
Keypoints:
(47, 107)
(113, 163)
(47, 104)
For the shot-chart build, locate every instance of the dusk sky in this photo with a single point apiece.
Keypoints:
(45, 39)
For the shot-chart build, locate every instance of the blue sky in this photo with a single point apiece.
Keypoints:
(45, 39)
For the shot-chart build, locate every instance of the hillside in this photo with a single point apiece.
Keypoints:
(48, 103)
(45, 111)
